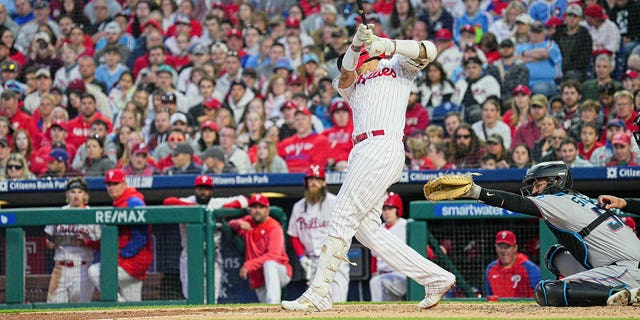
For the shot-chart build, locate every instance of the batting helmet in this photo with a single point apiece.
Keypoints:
(394, 200)
(557, 172)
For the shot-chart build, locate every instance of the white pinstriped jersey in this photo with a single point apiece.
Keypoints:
(71, 252)
(312, 226)
(388, 87)
(610, 242)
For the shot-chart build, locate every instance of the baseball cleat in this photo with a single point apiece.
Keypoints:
(635, 297)
(301, 304)
(620, 298)
(432, 299)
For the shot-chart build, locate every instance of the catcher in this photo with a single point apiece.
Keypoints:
(597, 255)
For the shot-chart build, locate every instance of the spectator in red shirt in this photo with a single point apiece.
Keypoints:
(529, 132)
(17, 118)
(417, 115)
(266, 261)
(623, 102)
(622, 154)
(78, 128)
(512, 275)
(339, 136)
(306, 147)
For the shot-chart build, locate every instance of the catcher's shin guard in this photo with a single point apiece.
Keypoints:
(334, 251)
(555, 293)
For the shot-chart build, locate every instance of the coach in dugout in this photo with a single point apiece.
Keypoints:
(512, 275)
(135, 251)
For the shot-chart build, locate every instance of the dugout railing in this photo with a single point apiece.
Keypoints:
(473, 225)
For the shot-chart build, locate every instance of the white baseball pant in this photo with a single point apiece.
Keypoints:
(275, 278)
(184, 276)
(70, 284)
(390, 286)
(129, 288)
(374, 165)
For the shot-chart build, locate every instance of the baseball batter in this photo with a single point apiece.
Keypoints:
(387, 284)
(598, 256)
(203, 185)
(378, 93)
(73, 251)
(309, 226)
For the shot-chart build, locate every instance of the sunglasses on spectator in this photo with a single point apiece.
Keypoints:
(175, 139)
(232, 53)
(14, 167)
(464, 136)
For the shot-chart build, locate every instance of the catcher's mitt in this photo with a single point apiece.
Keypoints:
(448, 187)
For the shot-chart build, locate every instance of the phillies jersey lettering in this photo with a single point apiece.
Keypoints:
(313, 223)
(297, 148)
(384, 72)
(310, 223)
(80, 132)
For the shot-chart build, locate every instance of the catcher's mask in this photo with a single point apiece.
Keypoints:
(314, 171)
(556, 172)
(394, 200)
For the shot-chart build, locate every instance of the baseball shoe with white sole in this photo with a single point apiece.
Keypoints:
(300, 304)
(433, 297)
(625, 297)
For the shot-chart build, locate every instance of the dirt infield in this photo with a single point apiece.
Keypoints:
(447, 310)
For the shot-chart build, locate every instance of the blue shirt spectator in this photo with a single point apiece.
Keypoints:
(543, 59)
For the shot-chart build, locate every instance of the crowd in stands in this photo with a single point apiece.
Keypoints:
(192, 86)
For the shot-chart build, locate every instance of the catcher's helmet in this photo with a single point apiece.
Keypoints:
(394, 200)
(558, 174)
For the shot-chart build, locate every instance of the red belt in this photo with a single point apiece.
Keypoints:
(69, 263)
(363, 136)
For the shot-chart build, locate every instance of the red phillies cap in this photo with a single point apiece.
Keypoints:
(621, 138)
(443, 35)
(212, 103)
(596, 11)
(258, 199)
(304, 111)
(631, 74)
(209, 125)
(293, 79)
(394, 200)
(315, 171)
(340, 105)
(292, 22)
(203, 181)
(553, 22)
(521, 88)
(114, 176)
(468, 28)
(216, 5)
(506, 236)
(152, 23)
(59, 123)
(288, 104)
(234, 33)
(139, 148)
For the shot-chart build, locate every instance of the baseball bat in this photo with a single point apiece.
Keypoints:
(361, 12)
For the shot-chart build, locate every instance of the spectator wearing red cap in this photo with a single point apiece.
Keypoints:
(622, 154)
(203, 195)
(631, 80)
(208, 136)
(575, 59)
(519, 111)
(135, 250)
(387, 284)
(472, 16)
(340, 135)
(449, 54)
(306, 147)
(512, 275)
(530, 131)
(604, 32)
(293, 28)
(139, 164)
(266, 262)
(310, 223)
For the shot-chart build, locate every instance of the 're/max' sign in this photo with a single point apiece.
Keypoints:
(120, 216)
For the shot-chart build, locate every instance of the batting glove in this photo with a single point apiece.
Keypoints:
(362, 35)
(306, 264)
(377, 46)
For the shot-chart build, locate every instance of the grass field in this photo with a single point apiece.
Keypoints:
(451, 310)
